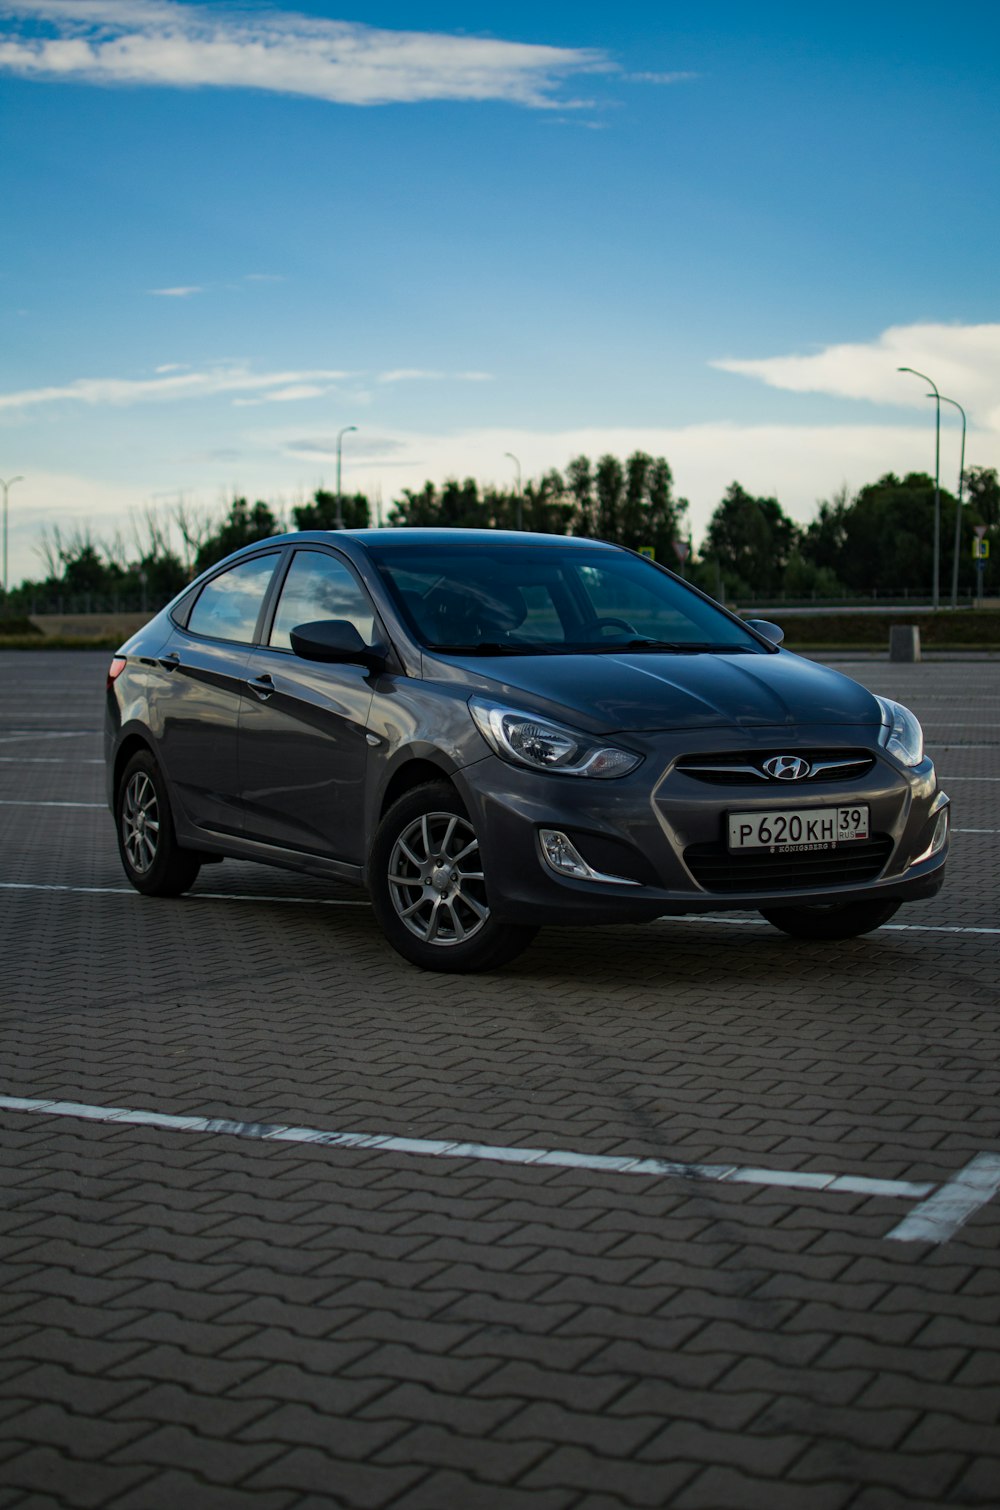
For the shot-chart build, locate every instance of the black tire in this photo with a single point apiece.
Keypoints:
(428, 889)
(843, 920)
(151, 857)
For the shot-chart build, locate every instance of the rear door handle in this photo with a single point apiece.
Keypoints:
(169, 662)
(262, 686)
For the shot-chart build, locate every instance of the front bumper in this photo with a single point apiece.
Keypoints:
(661, 833)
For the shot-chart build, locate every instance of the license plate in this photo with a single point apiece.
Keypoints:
(798, 828)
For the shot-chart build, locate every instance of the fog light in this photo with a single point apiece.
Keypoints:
(562, 856)
(939, 839)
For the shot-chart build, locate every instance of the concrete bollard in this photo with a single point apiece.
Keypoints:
(904, 642)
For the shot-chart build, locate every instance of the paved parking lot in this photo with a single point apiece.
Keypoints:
(684, 1215)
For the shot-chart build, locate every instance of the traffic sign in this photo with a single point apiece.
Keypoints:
(980, 550)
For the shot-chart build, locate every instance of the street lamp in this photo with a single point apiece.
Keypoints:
(339, 521)
(958, 505)
(6, 489)
(936, 593)
(520, 501)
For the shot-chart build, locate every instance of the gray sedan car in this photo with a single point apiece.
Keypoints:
(495, 731)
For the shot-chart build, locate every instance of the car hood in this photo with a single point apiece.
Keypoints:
(657, 691)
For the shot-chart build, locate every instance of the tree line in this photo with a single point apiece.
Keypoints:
(878, 540)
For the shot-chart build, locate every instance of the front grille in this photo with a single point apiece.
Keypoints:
(743, 767)
(759, 870)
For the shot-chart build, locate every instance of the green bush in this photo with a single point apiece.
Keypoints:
(964, 629)
(18, 626)
(38, 641)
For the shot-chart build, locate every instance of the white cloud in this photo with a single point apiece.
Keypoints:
(172, 384)
(963, 360)
(173, 381)
(177, 293)
(409, 375)
(423, 374)
(159, 42)
(662, 78)
(292, 394)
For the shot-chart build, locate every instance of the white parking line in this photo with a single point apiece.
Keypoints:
(229, 896)
(198, 896)
(46, 760)
(724, 922)
(941, 1213)
(937, 1219)
(13, 802)
(18, 737)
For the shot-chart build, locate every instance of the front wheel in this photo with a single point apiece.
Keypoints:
(429, 887)
(842, 920)
(152, 859)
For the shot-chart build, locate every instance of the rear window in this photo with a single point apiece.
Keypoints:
(228, 606)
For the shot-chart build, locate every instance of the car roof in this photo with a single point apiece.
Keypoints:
(425, 535)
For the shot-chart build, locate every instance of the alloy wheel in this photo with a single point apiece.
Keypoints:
(140, 822)
(436, 880)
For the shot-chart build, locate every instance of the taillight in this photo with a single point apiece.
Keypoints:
(115, 670)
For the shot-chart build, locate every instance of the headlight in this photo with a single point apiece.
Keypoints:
(545, 746)
(901, 734)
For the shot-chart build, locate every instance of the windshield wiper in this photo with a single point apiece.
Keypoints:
(493, 647)
(671, 647)
(620, 647)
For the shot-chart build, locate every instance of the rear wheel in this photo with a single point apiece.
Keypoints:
(153, 861)
(429, 887)
(842, 920)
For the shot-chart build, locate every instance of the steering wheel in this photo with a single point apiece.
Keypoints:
(611, 623)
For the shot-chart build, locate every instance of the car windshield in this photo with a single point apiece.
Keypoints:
(547, 598)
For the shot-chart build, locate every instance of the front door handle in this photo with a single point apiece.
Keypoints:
(261, 686)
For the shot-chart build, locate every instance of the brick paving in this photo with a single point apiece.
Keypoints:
(194, 1320)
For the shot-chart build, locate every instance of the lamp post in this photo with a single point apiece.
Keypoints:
(339, 521)
(958, 505)
(936, 591)
(6, 489)
(520, 499)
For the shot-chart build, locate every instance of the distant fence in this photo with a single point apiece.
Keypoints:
(901, 598)
(72, 604)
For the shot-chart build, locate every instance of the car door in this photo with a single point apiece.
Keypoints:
(203, 668)
(303, 753)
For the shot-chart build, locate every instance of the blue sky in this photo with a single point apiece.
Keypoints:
(714, 232)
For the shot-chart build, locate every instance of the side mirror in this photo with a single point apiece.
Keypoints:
(335, 640)
(767, 631)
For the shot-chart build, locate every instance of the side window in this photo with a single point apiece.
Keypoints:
(228, 606)
(318, 586)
